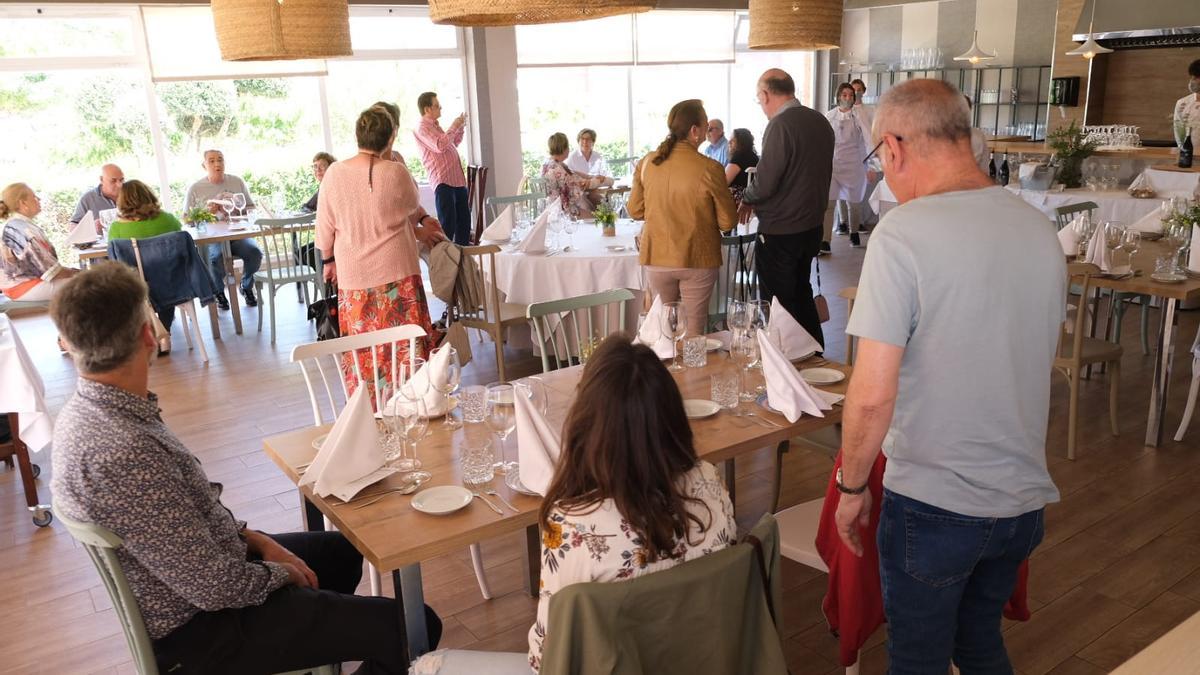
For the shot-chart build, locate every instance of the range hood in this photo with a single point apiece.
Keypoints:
(1145, 23)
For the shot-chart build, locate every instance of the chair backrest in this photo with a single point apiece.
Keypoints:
(1080, 274)
(653, 623)
(535, 185)
(1063, 215)
(332, 351)
(732, 283)
(101, 545)
(479, 275)
(283, 243)
(528, 200)
(624, 164)
(567, 328)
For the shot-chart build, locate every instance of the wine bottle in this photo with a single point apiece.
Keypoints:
(1185, 153)
(1004, 170)
(992, 166)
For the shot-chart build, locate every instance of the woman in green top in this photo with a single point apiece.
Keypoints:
(139, 215)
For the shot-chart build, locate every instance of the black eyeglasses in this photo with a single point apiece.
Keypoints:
(878, 145)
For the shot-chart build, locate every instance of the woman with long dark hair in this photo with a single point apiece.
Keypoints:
(684, 198)
(741, 157)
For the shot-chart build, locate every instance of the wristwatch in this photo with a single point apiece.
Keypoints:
(847, 490)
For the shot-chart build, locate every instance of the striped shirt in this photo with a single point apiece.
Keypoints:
(439, 153)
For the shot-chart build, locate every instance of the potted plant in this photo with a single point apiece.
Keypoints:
(606, 218)
(1071, 146)
(198, 217)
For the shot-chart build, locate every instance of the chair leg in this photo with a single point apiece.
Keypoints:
(1113, 386)
(1073, 381)
(271, 301)
(497, 336)
(258, 292)
(1145, 302)
(376, 584)
(182, 309)
(1190, 408)
(477, 563)
(191, 313)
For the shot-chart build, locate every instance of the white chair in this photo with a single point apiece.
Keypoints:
(1193, 392)
(567, 327)
(310, 357)
(279, 240)
(487, 313)
(187, 310)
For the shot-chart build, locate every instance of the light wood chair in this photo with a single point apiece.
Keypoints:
(562, 327)
(279, 240)
(1193, 391)
(1076, 350)
(324, 359)
(488, 313)
(101, 545)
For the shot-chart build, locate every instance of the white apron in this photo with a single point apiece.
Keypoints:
(850, 147)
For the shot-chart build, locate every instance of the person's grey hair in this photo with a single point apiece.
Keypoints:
(924, 109)
(780, 85)
(719, 123)
(100, 313)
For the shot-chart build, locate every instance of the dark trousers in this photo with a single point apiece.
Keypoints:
(454, 212)
(166, 316)
(945, 579)
(784, 265)
(247, 251)
(297, 627)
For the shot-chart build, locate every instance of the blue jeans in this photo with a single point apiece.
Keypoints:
(945, 580)
(244, 249)
(454, 213)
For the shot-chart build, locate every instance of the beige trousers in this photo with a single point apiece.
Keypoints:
(692, 286)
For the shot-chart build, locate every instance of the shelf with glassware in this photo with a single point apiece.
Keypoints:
(1006, 100)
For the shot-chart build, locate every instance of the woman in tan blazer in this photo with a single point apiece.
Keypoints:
(683, 197)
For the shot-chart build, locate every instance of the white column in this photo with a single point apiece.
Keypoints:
(492, 72)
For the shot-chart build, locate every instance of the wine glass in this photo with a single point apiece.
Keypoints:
(1131, 243)
(760, 314)
(447, 386)
(1177, 237)
(569, 226)
(411, 390)
(502, 418)
(743, 350)
(390, 414)
(415, 428)
(555, 226)
(239, 203)
(674, 326)
(739, 315)
(1083, 228)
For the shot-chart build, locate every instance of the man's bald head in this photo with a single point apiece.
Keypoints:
(111, 180)
(924, 111)
(775, 88)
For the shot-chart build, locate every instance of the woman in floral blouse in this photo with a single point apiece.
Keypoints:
(577, 191)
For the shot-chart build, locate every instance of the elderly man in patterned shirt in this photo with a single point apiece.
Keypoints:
(216, 596)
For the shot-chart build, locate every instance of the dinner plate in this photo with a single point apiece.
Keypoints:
(442, 499)
(698, 408)
(712, 344)
(822, 375)
(236, 228)
(1168, 277)
(616, 248)
(513, 480)
(766, 405)
(319, 441)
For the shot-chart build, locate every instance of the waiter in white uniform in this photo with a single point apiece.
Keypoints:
(1187, 109)
(851, 129)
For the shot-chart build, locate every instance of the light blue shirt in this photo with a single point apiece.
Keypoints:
(718, 152)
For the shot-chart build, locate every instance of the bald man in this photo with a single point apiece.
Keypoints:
(957, 317)
(718, 146)
(103, 197)
(790, 193)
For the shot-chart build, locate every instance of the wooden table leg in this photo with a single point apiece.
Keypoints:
(214, 320)
(410, 602)
(232, 287)
(533, 560)
(731, 482)
(779, 451)
(314, 520)
(41, 512)
(1164, 354)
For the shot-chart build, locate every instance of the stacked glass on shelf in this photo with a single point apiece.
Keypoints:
(1101, 175)
(1114, 135)
(924, 58)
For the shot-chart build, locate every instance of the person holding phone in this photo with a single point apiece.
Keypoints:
(439, 154)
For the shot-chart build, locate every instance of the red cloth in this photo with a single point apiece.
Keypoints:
(853, 603)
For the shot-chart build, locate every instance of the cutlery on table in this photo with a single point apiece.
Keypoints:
(485, 501)
(497, 495)
(376, 496)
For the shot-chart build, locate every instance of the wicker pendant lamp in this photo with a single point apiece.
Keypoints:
(282, 30)
(478, 13)
(795, 24)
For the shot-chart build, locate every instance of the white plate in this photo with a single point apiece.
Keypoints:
(616, 248)
(822, 375)
(1168, 278)
(698, 408)
(513, 480)
(766, 405)
(712, 344)
(441, 500)
(319, 441)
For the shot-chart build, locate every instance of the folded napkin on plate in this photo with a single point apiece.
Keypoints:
(651, 334)
(1098, 253)
(535, 241)
(85, 231)
(1194, 255)
(1151, 222)
(430, 376)
(501, 228)
(351, 457)
(787, 392)
(1069, 238)
(796, 341)
(538, 445)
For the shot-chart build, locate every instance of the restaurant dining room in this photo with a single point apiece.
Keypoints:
(600, 337)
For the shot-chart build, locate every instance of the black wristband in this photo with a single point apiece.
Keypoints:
(326, 261)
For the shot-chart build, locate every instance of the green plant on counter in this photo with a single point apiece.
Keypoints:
(605, 215)
(1071, 146)
(1187, 218)
(199, 214)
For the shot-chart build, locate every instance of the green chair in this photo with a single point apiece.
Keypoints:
(530, 200)
(101, 545)
(279, 240)
(1063, 215)
(720, 613)
(557, 325)
(19, 307)
(733, 283)
(623, 167)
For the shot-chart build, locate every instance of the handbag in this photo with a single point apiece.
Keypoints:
(325, 312)
(455, 333)
(819, 299)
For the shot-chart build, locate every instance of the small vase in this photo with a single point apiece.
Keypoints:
(609, 230)
(1070, 172)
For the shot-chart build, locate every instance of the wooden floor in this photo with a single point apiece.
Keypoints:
(1119, 567)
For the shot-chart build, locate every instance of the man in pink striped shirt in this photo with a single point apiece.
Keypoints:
(439, 154)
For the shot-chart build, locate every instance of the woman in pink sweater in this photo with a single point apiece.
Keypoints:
(369, 245)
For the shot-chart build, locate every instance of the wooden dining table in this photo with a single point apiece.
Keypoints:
(1170, 295)
(394, 537)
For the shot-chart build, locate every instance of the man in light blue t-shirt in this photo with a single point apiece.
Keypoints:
(958, 314)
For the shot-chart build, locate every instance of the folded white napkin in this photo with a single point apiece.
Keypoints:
(85, 231)
(1069, 238)
(351, 457)
(1194, 254)
(538, 445)
(430, 376)
(725, 337)
(1097, 252)
(501, 228)
(1151, 222)
(535, 241)
(787, 392)
(651, 334)
(796, 341)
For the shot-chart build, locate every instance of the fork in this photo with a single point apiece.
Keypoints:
(497, 495)
(485, 501)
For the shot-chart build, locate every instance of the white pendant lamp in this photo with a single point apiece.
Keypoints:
(1090, 48)
(975, 54)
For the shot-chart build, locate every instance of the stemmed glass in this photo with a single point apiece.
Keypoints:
(569, 226)
(412, 391)
(502, 418)
(447, 386)
(415, 428)
(1083, 228)
(743, 349)
(239, 203)
(674, 326)
(555, 225)
(1131, 242)
(389, 413)
(1176, 236)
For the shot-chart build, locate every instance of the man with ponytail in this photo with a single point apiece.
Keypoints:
(790, 193)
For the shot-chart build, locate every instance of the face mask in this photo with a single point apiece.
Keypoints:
(844, 104)
(1194, 86)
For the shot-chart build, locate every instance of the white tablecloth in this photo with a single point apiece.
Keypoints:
(1111, 204)
(23, 391)
(1173, 183)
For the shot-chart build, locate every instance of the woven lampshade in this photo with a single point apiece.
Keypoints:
(282, 30)
(795, 24)
(524, 12)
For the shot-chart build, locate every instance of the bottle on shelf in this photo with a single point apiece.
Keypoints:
(1185, 152)
(992, 166)
(1004, 170)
